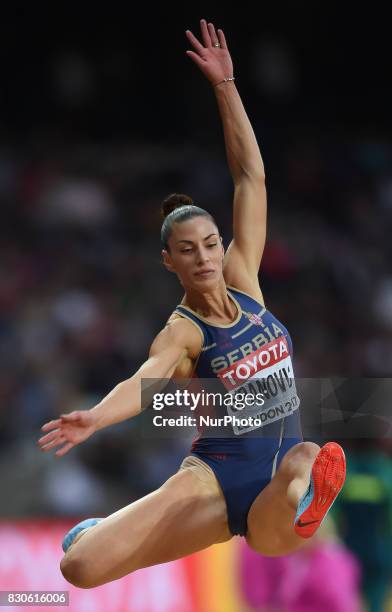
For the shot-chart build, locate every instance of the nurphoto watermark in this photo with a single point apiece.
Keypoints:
(334, 407)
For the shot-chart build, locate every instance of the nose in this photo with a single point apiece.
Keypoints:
(202, 255)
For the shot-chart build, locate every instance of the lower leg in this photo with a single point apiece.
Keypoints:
(277, 504)
(282, 517)
(299, 473)
(183, 516)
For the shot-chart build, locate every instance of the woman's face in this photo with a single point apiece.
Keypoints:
(196, 253)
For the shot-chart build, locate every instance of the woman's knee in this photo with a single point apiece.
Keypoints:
(80, 571)
(74, 571)
(297, 457)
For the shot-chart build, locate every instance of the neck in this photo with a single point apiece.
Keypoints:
(214, 304)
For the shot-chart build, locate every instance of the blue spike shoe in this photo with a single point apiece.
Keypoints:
(72, 533)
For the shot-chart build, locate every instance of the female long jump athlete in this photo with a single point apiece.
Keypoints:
(270, 487)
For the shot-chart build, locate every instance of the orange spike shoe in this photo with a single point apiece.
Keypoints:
(326, 481)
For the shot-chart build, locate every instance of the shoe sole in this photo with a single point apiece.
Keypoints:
(327, 479)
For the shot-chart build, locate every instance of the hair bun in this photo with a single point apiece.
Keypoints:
(173, 201)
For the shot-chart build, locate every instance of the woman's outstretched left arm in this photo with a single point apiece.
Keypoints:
(243, 155)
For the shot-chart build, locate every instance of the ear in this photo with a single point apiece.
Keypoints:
(167, 261)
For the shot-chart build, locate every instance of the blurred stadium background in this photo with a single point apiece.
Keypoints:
(101, 116)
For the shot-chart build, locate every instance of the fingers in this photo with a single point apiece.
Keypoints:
(204, 33)
(64, 449)
(199, 61)
(212, 33)
(194, 42)
(50, 436)
(209, 36)
(222, 39)
(55, 442)
(71, 416)
(51, 425)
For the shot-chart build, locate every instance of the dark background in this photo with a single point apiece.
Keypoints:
(141, 84)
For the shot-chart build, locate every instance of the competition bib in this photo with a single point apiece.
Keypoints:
(266, 374)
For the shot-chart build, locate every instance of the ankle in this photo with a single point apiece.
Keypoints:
(296, 490)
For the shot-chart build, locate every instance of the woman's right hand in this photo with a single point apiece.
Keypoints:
(67, 431)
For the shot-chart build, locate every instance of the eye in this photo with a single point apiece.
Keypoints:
(211, 245)
(186, 250)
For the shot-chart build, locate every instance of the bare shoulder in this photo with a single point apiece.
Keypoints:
(181, 332)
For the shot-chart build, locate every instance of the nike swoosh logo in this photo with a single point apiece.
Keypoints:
(301, 524)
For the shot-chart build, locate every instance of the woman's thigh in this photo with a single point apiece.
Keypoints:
(186, 514)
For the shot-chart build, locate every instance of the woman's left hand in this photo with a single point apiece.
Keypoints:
(214, 61)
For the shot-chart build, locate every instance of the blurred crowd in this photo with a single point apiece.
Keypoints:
(97, 127)
(83, 291)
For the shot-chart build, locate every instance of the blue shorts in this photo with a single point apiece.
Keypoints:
(242, 476)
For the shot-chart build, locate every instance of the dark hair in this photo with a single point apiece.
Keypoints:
(176, 208)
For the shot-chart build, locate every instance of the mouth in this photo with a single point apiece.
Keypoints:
(204, 273)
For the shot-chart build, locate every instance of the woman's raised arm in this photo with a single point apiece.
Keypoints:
(243, 154)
